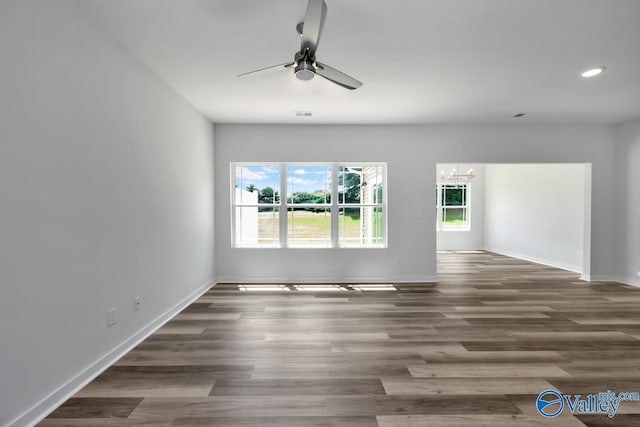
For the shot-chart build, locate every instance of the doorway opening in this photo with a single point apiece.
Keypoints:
(534, 212)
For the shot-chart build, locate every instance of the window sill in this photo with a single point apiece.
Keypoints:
(307, 247)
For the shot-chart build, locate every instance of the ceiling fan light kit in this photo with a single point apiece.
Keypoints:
(305, 71)
(305, 65)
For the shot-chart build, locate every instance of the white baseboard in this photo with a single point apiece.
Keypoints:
(631, 281)
(47, 405)
(396, 279)
(600, 278)
(550, 263)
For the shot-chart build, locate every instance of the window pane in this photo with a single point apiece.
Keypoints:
(257, 226)
(349, 228)
(453, 195)
(372, 186)
(454, 217)
(360, 184)
(268, 226)
(360, 226)
(377, 225)
(257, 184)
(309, 184)
(309, 226)
(349, 184)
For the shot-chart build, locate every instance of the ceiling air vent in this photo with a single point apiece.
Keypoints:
(303, 113)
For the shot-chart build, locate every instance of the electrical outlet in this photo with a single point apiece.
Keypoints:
(208, 267)
(137, 302)
(112, 316)
(638, 273)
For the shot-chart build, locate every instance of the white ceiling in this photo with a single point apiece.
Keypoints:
(421, 61)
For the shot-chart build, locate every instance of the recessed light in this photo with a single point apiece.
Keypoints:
(593, 72)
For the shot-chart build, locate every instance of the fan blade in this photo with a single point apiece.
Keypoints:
(284, 64)
(312, 26)
(337, 77)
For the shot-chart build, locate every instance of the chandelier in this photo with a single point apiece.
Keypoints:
(455, 178)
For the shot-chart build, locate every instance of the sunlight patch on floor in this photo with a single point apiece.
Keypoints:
(366, 287)
(375, 287)
(262, 288)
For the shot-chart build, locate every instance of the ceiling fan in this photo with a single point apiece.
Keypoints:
(305, 65)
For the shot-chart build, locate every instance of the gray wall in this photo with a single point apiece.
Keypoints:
(626, 214)
(536, 212)
(412, 153)
(106, 187)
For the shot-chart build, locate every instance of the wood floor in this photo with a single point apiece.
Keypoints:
(472, 350)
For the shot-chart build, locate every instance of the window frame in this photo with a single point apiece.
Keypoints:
(440, 195)
(333, 207)
(234, 205)
(379, 205)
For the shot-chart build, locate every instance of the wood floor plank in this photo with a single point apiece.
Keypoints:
(104, 422)
(152, 381)
(323, 336)
(463, 386)
(399, 347)
(496, 315)
(208, 316)
(353, 371)
(491, 356)
(96, 407)
(473, 370)
(591, 345)
(469, 421)
(574, 336)
(299, 387)
(503, 308)
(608, 321)
(277, 406)
(301, 421)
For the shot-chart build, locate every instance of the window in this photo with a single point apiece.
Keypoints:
(453, 207)
(308, 205)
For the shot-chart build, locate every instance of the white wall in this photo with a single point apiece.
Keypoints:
(626, 213)
(536, 212)
(106, 192)
(412, 153)
(472, 239)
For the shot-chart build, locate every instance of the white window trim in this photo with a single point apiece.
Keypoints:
(334, 206)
